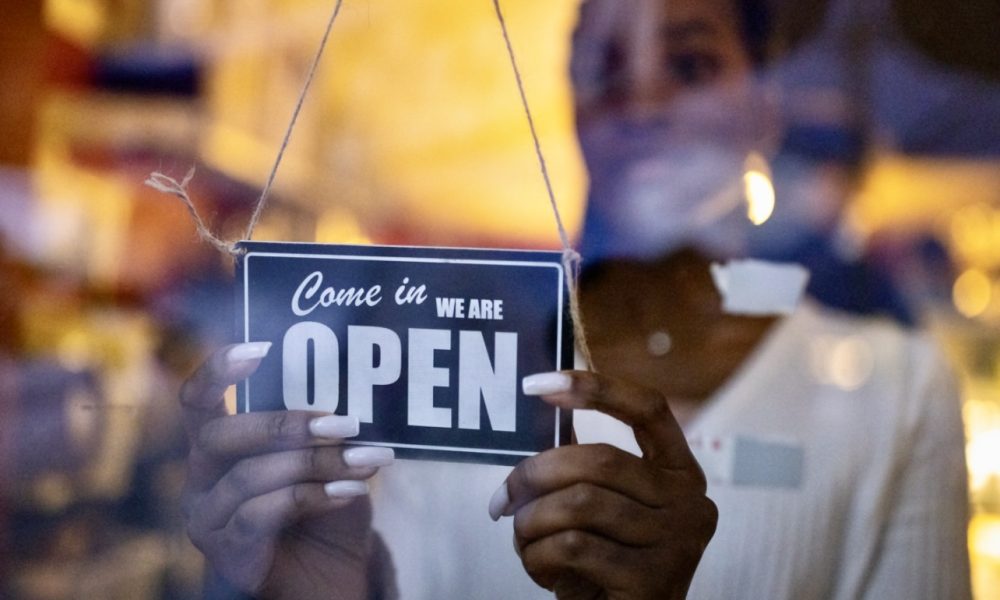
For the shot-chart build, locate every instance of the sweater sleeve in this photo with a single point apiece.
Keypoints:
(924, 552)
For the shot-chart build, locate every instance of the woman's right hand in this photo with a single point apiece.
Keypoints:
(273, 500)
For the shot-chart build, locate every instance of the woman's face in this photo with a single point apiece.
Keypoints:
(667, 114)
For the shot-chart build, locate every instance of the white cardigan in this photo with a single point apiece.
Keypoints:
(835, 455)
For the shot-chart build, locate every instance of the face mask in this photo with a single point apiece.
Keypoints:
(649, 203)
(657, 187)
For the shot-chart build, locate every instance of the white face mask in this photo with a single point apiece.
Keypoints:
(670, 180)
(661, 184)
(677, 197)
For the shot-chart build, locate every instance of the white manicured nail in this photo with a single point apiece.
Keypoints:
(335, 427)
(499, 502)
(242, 353)
(369, 457)
(346, 489)
(543, 384)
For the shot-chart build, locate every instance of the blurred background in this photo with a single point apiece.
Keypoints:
(413, 134)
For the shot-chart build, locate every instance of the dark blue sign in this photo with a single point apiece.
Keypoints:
(426, 346)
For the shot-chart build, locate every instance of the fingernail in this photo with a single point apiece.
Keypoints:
(335, 427)
(242, 353)
(346, 489)
(543, 384)
(499, 502)
(369, 457)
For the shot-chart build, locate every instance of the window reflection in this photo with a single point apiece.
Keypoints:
(888, 193)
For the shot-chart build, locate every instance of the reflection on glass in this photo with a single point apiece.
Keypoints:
(973, 293)
(758, 190)
(415, 136)
(846, 362)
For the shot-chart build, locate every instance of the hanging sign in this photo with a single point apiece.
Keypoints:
(426, 346)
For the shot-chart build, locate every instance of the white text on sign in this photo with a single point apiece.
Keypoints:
(311, 295)
(311, 373)
(455, 308)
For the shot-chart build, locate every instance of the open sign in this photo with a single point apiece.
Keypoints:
(426, 346)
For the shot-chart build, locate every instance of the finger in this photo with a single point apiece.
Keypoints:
(597, 464)
(266, 515)
(589, 556)
(261, 475)
(589, 508)
(229, 439)
(202, 395)
(656, 430)
(236, 436)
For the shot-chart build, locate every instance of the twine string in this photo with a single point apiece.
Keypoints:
(265, 194)
(571, 258)
(169, 185)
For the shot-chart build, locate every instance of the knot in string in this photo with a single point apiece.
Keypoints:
(572, 262)
(572, 257)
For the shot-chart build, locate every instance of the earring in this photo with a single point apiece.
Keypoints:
(659, 343)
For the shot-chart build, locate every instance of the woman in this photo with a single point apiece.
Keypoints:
(825, 491)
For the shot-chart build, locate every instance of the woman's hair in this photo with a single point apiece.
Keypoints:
(772, 27)
(757, 27)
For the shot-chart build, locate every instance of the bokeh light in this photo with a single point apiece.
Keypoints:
(844, 362)
(758, 190)
(972, 293)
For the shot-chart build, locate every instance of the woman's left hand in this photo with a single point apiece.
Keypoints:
(592, 521)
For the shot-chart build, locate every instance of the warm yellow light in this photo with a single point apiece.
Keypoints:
(436, 133)
(758, 190)
(82, 21)
(340, 227)
(975, 234)
(972, 293)
(982, 454)
(984, 537)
